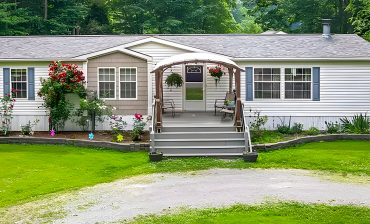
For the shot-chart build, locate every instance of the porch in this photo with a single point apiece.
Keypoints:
(198, 131)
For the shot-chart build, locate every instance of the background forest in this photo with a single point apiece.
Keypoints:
(52, 17)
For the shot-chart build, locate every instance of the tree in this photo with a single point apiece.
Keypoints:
(360, 19)
(15, 20)
(96, 21)
(300, 16)
(173, 16)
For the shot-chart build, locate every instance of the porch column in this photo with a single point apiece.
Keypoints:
(158, 97)
(238, 105)
(231, 73)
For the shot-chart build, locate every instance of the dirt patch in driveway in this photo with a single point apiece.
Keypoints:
(125, 199)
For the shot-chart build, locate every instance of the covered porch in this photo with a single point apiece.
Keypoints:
(193, 111)
(199, 132)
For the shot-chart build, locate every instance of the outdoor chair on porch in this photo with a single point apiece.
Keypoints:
(227, 105)
(169, 104)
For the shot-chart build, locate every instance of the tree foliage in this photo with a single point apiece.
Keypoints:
(300, 16)
(61, 17)
(360, 19)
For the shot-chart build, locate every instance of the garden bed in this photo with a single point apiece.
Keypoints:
(105, 136)
(308, 139)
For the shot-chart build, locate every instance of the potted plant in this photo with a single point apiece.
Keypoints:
(174, 80)
(155, 156)
(216, 72)
(250, 157)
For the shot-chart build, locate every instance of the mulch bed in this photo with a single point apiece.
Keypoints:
(83, 135)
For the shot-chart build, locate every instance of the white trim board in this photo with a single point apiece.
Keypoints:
(164, 42)
(120, 49)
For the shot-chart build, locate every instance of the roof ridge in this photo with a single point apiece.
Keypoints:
(164, 35)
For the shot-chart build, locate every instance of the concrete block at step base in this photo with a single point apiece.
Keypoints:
(155, 156)
(250, 157)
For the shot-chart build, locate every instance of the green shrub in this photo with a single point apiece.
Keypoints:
(297, 128)
(257, 123)
(283, 129)
(332, 127)
(313, 131)
(359, 124)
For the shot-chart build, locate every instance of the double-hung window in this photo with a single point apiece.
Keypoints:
(107, 83)
(128, 83)
(18, 79)
(267, 83)
(298, 83)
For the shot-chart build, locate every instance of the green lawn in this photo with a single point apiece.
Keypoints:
(29, 171)
(287, 213)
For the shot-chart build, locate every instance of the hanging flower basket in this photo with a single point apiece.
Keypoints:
(216, 72)
(174, 80)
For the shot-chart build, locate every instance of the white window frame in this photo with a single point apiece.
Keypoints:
(280, 81)
(311, 90)
(11, 86)
(119, 78)
(282, 84)
(115, 82)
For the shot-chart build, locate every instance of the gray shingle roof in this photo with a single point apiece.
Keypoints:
(58, 47)
(279, 46)
(236, 46)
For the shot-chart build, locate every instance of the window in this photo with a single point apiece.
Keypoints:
(107, 83)
(19, 83)
(127, 77)
(267, 83)
(298, 83)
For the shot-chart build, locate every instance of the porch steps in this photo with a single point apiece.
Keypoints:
(199, 140)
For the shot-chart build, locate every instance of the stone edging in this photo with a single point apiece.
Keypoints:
(302, 140)
(132, 147)
(124, 147)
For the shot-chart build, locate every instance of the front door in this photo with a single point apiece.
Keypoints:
(194, 88)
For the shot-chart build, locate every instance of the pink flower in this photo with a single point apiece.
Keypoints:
(138, 116)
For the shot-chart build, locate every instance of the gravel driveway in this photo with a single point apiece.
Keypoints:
(125, 199)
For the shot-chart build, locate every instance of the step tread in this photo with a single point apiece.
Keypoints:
(199, 132)
(202, 154)
(201, 147)
(205, 125)
(199, 140)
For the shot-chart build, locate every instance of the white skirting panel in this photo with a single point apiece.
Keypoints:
(43, 124)
(308, 122)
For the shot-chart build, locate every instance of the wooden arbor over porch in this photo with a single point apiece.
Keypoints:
(233, 69)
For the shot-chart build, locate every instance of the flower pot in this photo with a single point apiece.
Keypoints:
(155, 157)
(250, 157)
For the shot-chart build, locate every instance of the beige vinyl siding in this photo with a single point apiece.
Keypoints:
(344, 91)
(118, 60)
(159, 52)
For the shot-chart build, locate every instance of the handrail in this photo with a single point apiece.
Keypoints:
(153, 126)
(247, 133)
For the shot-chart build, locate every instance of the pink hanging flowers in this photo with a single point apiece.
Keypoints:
(216, 72)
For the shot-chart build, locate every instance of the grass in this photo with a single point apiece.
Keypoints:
(287, 213)
(269, 136)
(30, 171)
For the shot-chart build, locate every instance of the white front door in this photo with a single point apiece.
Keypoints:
(194, 88)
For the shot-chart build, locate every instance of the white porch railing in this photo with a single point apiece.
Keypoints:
(245, 128)
(153, 128)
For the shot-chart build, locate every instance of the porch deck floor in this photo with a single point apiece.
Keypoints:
(197, 118)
